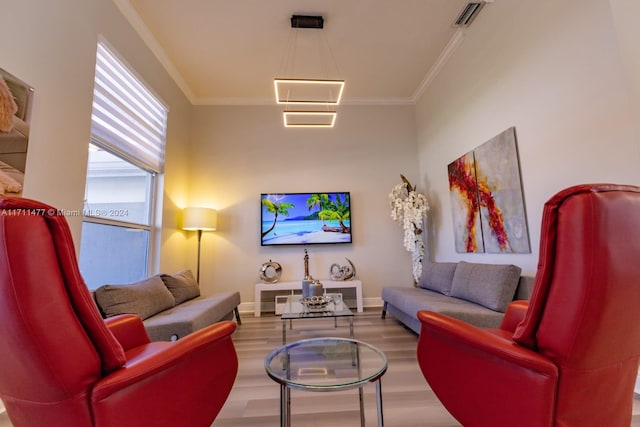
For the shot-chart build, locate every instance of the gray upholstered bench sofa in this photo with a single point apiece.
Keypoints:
(475, 293)
(170, 305)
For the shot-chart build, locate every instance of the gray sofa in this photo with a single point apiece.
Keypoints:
(475, 293)
(170, 305)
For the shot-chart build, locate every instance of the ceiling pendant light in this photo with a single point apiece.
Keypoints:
(318, 95)
(308, 91)
(309, 119)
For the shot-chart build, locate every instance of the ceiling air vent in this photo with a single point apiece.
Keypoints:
(468, 14)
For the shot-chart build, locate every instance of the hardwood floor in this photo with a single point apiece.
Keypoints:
(255, 398)
(407, 399)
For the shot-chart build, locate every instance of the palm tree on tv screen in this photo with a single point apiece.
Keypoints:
(318, 200)
(276, 208)
(337, 210)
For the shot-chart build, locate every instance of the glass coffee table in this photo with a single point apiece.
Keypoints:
(294, 309)
(326, 364)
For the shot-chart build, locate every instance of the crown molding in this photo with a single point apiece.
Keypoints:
(442, 60)
(379, 101)
(145, 34)
(271, 101)
(147, 37)
(234, 101)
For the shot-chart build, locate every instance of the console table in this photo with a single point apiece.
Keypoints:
(291, 286)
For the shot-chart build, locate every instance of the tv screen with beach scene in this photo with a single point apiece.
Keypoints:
(305, 218)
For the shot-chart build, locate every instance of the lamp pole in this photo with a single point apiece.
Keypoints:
(198, 267)
(199, 219)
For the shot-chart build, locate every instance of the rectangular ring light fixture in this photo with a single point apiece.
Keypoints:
(308, 91)
(309, 119)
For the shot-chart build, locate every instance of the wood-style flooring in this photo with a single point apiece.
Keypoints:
(255, 398)
(407, 399)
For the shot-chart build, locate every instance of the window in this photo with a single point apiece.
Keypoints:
(126, 154)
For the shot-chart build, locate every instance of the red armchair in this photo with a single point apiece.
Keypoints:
(61, 364)
(569, 357)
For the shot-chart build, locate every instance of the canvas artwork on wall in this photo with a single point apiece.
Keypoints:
(486, 198)
(15, 110)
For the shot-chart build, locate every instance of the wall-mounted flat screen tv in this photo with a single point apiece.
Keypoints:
(305, 218)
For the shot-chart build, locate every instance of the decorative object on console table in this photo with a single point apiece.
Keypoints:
(354, 285)
(270, 272)
(316, 289)
(308, 280)
(344, 272)
(409, 208)
(199, 219)
(306, 265)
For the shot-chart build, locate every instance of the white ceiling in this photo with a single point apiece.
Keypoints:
(227, 52)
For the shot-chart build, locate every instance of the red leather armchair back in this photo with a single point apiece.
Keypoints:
(584, 313)
(572, 360)
(52, 346)
(62, 365)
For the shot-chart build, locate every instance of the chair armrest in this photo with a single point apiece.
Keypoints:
(128, 330)
(480, 374)
(196, 371)
(483, 341)
(154, 357)
(514, 315)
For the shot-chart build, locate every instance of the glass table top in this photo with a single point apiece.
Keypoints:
(325, 364)
(295, 309)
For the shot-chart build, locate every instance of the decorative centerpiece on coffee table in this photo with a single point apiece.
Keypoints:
(317, 303)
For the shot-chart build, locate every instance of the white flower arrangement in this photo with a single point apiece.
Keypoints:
(409, 208)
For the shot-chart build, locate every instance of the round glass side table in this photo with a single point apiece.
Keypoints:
(326, 364)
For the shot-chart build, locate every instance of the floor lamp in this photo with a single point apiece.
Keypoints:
(199, 219)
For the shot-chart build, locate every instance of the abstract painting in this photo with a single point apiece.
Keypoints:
(15, 112)
(463, 187)
(486, 198)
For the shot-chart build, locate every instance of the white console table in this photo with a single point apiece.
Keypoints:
(290, 286)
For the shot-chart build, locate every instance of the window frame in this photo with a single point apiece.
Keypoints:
(155, 182)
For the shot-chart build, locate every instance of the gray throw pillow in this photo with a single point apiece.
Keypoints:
(437, 276)
(144, 298)
(490, 285)
(182, 285)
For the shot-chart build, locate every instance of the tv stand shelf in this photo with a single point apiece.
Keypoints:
(290, 286)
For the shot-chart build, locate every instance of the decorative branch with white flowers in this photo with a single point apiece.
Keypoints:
(409, 208)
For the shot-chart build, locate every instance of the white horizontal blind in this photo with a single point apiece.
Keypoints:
(126, 116)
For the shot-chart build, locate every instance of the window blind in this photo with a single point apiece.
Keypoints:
(126, 116)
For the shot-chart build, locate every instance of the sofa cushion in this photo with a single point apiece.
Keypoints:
(182, 285)
(437, 276)
(144, 298)
(192, 315)
(491, 285)
(412, 300)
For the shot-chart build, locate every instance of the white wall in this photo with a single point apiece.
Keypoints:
(52, 46)
(564, 74)
(239, 152)
(554, 71)
(625, 14)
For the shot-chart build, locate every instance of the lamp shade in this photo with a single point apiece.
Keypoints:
(205, 219)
